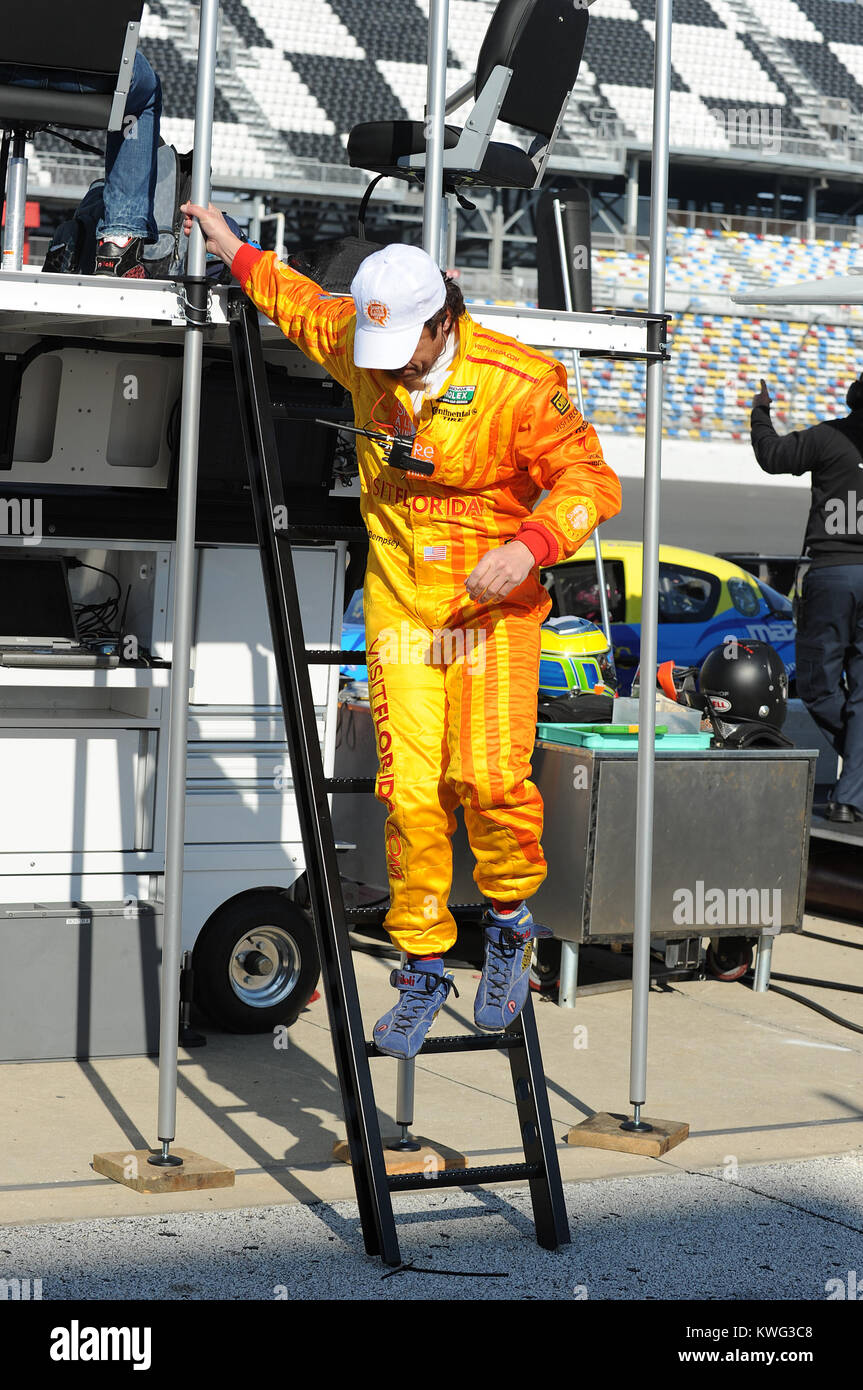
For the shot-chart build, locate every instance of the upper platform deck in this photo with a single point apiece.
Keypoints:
(35, 305)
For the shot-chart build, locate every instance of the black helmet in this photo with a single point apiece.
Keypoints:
(745, 682)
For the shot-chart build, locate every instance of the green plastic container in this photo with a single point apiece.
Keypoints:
(620, 736)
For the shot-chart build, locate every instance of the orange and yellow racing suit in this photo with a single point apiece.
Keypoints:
(452, 682)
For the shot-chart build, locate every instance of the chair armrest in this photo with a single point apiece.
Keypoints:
(474, 139)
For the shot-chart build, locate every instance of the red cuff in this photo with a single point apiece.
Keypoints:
(539, 541)
(245, 259)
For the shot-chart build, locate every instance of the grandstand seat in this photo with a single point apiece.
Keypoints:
(526, 70)
(86, 37)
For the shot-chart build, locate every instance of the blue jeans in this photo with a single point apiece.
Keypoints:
(830, 667)
(130, 153)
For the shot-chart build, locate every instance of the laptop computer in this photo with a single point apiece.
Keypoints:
(37, 618)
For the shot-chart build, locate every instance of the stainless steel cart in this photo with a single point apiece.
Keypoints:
(730, 848)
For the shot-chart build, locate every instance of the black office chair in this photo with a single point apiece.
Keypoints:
(87, 36)
(525, 74)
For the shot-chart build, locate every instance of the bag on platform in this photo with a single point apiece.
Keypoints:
(73, 246)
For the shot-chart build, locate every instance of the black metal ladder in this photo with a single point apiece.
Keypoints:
(352, 1053)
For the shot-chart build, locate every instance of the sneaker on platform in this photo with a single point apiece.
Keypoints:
(423, 990)
(505, 979)
(121, 257)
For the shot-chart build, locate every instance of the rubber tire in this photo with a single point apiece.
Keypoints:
(730, 958)
(215, 946)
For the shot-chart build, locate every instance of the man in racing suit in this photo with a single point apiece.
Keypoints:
(452, 599)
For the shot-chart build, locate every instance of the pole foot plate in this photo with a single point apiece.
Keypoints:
(130, 1167)
(605, 1131)
(430, 1157)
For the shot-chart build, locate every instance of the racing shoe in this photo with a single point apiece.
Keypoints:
(423, 990)
(120, 257)
(505, 979)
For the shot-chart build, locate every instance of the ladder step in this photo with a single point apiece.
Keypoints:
(334, 532)
(462, 1042)
(463, 1177)
(323, 656)
(366, 916)
(349, 784)
(465, 914)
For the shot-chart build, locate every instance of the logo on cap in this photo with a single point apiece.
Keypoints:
(377, 312)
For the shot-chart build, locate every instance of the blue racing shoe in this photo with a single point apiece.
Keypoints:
(505, 979)
(423, 990)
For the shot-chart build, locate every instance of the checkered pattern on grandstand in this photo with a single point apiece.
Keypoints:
(295, 75)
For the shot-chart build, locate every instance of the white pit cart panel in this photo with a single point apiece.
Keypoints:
(68, 788)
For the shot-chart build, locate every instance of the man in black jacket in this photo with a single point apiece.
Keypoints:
(830, 613)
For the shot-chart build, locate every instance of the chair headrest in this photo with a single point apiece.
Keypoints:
(86, 36)
(542, 41)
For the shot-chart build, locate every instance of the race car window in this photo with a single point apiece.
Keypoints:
(745, 597)
(686, 595)
(575, 591)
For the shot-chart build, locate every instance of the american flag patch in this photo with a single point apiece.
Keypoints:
(434, 552)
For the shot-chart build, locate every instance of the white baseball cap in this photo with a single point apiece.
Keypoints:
(396, 290)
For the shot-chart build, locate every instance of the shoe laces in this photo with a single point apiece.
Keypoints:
(413, 1000)
(499, 956)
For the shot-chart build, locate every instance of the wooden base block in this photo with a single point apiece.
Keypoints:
(130, 1167)
(603, 1131)
(430, 1157)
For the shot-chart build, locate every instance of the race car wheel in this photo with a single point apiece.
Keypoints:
(729, 957)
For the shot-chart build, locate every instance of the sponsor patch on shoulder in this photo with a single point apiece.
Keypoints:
(561, 402)
(458, 395)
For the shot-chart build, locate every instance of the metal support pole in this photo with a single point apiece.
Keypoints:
(811, 207)
(433, 232)
(631, 213)
(451, 236)
(650, 575)
(576, 368)
(763, 958)
(434, 128)
(16, 204)
(495, 246)
(184, 589)
(568, 974)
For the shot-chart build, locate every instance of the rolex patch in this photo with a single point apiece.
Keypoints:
(458, 395)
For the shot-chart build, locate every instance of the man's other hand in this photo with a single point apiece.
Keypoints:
(763, 397)
(220, 239)
(499, 572)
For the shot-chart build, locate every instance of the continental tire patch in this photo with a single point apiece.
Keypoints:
(576, 517)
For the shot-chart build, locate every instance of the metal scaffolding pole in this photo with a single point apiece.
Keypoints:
(650, 574)
(433, 235)
(576, 368)
(434, 129)
(184, 589)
